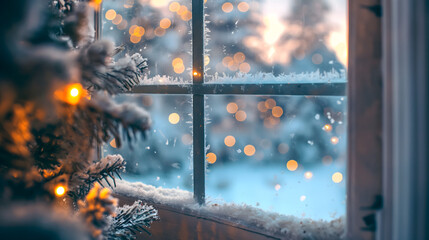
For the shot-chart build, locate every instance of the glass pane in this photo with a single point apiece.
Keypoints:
(164, 157)
(285, 154)
(268, 41)
(159, 30)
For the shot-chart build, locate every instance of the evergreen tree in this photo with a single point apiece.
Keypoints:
(55, 111)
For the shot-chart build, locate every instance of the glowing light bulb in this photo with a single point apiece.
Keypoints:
(74, 92)
(60, 191)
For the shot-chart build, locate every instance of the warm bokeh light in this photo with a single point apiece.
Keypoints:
(179, 69)
(232, 107)
(186, 16)
(71, 94)
(182, 10)
(128, 3)
(327, 127)
(283, 148)
(206, 60)
(249, 150)
(113, 143)
(174, 118)
(226, 60)
(211, 158)
(334, 140)
(277, 187)
(239, 57)
(308, 175)
(302, 198)
(159, 3)
(135, 39)
(292, 165)
(177, 62)
(159, 32)
(244, 67)
(60, 191)
(110, 14)
(229, 141)
(277, 111)
(337, 177)
(137, 30)
(165, 23)
(262, 107)
(240, 116)
(117, 19)
(227, 7)
(243, 7)
(270, 103)
(174, 7)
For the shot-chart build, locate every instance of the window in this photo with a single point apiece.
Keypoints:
(265, 89)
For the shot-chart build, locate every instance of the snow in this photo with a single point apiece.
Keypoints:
(317, 76)
(150, 193)
(290, 227)
(164, 80)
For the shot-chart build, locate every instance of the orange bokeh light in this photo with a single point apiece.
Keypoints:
(232, 107)
(229, 141)
(249, 150)
(277, 111)
(227, 7)
(240, 116)
(292, 165)
(211, 158)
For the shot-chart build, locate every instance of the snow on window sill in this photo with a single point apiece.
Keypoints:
(290, 227)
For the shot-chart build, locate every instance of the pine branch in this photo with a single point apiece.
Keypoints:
(105, 169)
(131, 220)
(116, 77)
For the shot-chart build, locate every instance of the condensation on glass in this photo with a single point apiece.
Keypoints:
(163, 158)
(159, 30)
(269, 41)
(285, 154)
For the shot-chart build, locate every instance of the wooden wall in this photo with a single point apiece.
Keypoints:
(182, 225)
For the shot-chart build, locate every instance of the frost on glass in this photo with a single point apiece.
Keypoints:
(159, 30)
(248, 38)
(285, 154)
(163, 159)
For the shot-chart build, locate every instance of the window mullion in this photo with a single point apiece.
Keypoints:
(198, 100)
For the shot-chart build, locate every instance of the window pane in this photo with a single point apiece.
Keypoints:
(164, 157)
(285, 154)
(159, 30)
(260, 41)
